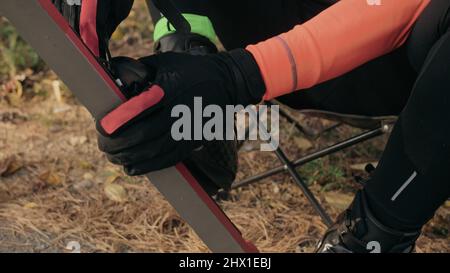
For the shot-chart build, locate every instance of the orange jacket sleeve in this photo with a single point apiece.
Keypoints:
(341, 38)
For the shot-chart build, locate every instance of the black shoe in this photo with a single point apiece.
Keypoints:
(358, 231)
(215, 164)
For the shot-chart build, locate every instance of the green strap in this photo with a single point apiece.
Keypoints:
(199, 24)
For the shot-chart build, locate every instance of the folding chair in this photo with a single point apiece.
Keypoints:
(374, 126)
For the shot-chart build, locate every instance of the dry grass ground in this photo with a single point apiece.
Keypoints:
(56, 187)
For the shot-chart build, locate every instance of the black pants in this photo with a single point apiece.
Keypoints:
(412, 82)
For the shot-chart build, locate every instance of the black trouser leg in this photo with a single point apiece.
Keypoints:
(413, 177)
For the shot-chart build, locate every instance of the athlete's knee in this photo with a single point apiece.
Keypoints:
(444, 25)
(432, 24)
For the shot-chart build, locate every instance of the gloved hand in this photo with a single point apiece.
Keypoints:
(137, 134)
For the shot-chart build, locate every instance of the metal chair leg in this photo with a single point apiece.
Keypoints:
(289, 166)
(306, 159)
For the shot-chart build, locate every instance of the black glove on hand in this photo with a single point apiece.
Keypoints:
(215, 164)
(137, 134)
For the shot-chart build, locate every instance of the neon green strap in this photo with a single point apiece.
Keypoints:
(199, 24)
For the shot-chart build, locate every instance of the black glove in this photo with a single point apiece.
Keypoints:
(215, 165)
(137, 134)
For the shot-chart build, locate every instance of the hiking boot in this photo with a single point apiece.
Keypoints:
(358, 231)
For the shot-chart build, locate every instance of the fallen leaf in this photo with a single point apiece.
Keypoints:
(88, 176)
(338, 200)
(116, 193)
(83, 185)
(50, 178)
(111, 175)
(30, 205)
(77, 140)
(276, 189)
(10, 166)
(303, 143)
(61, 109)
(57, 91)
(111, 178)
(86, 165)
